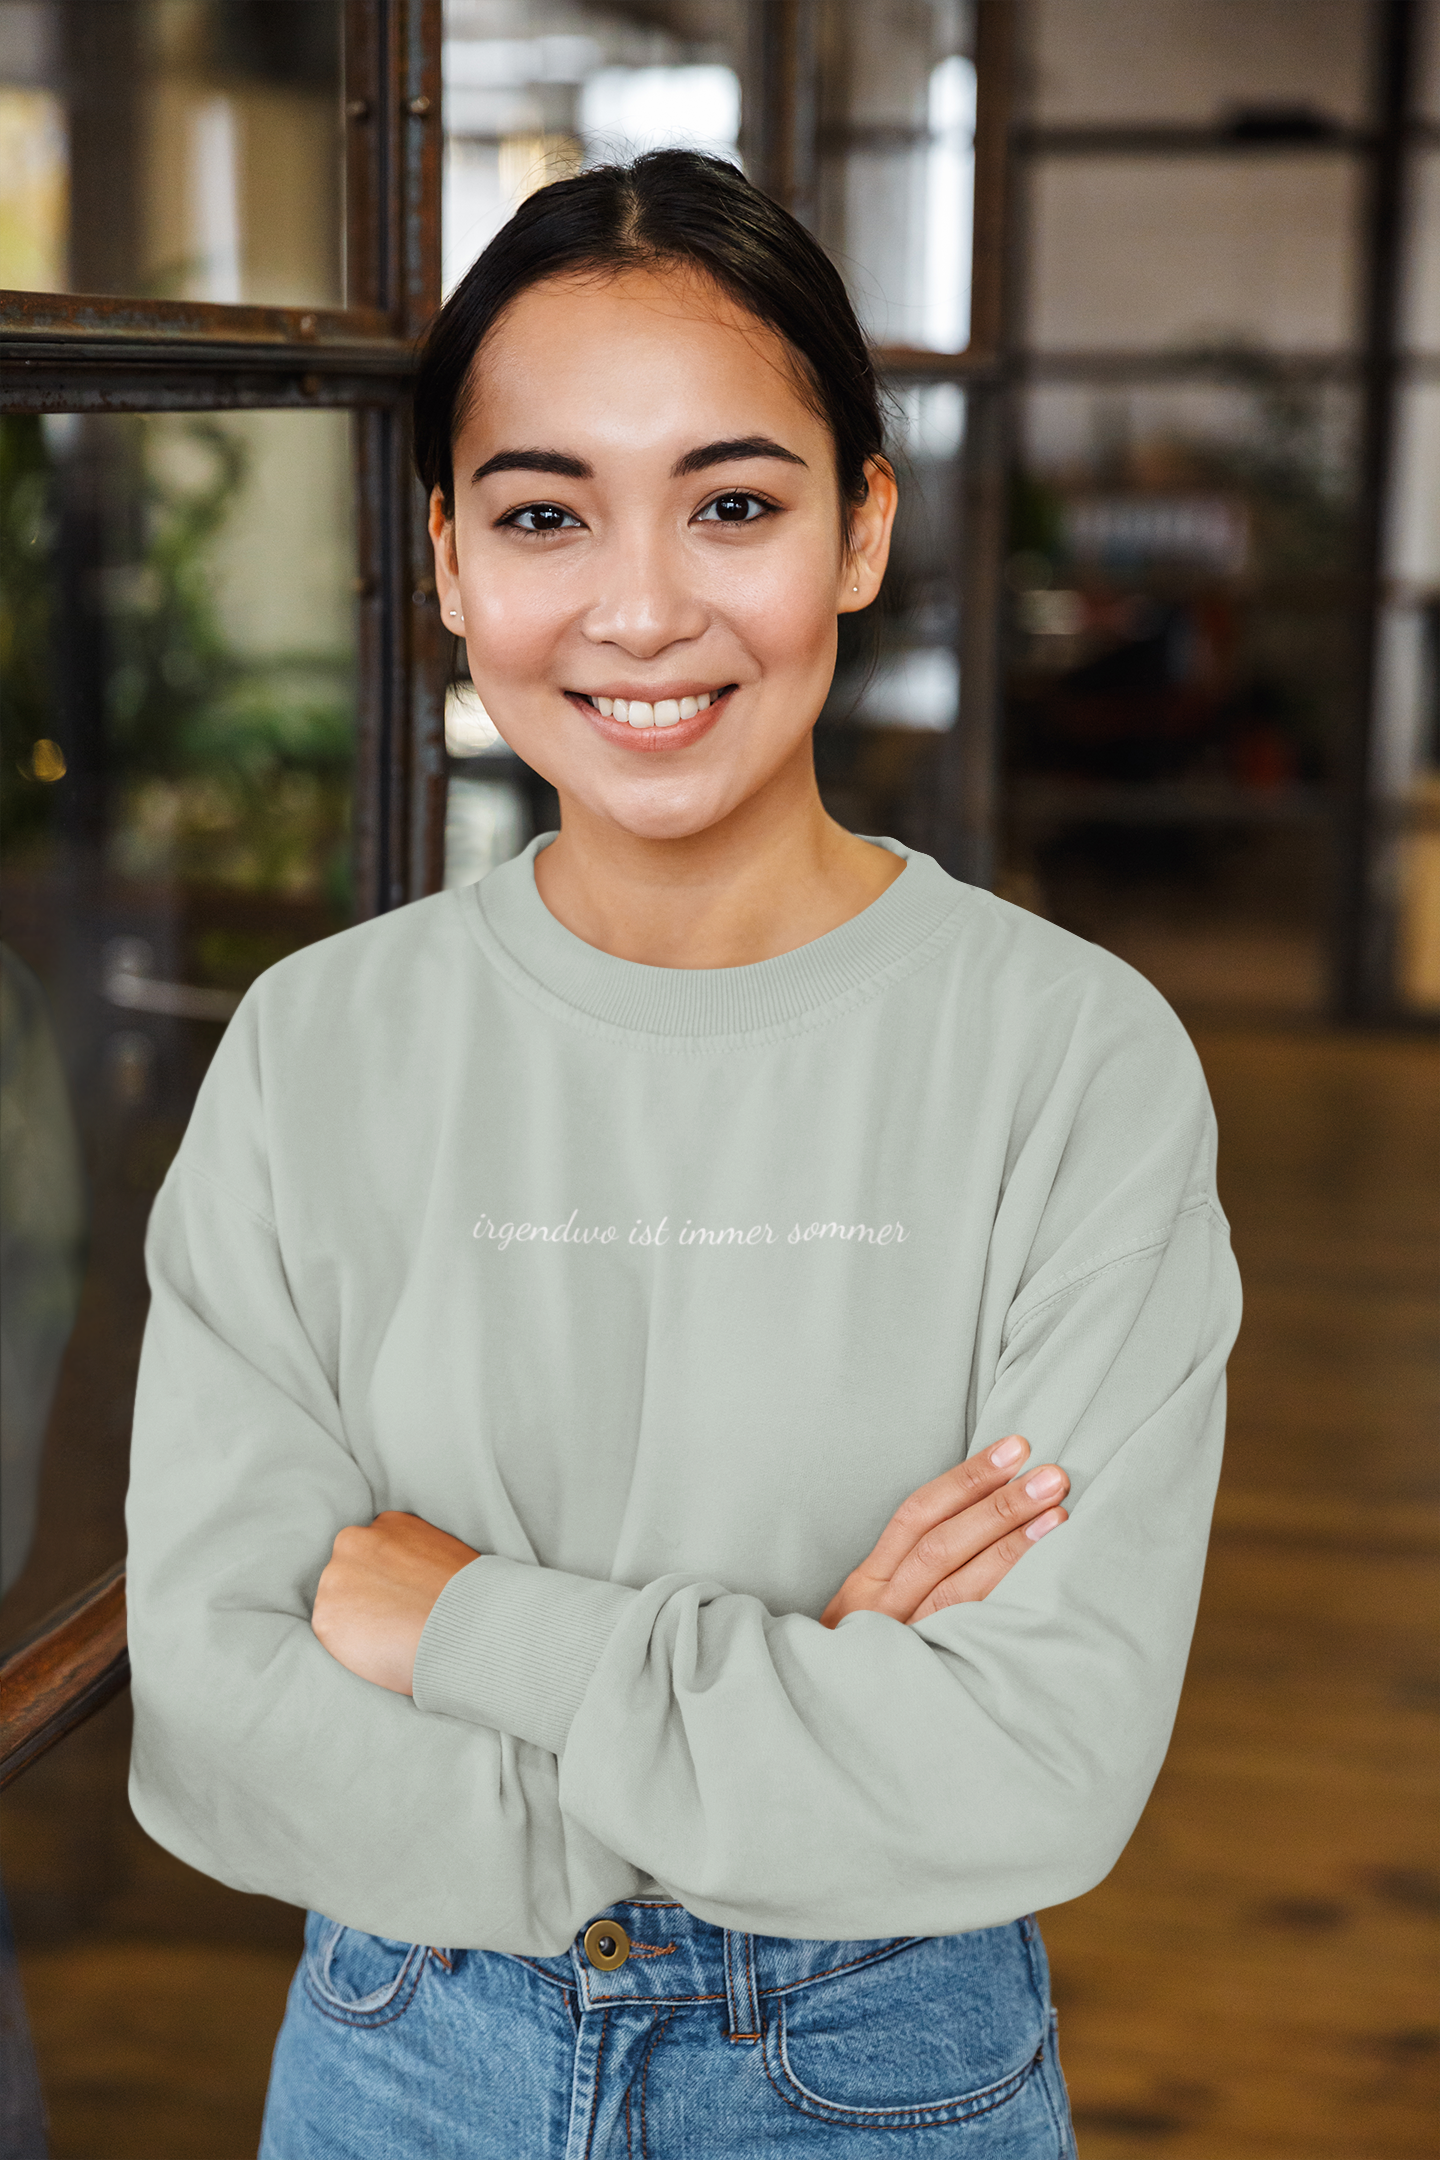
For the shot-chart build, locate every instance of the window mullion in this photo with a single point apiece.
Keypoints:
(393, 72)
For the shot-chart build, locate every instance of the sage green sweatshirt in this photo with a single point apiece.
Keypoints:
(661, 1288)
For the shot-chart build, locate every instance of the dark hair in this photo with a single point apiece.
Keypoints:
(669, 206)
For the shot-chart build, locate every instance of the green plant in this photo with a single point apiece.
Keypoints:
(222, 766)
(27, 684)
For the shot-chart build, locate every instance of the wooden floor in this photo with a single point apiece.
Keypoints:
(1258, 1978)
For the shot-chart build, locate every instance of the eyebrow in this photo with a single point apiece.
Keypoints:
(546, 461)
(694, 461)
(724, 453)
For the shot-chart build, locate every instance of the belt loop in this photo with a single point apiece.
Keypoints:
(742, 1997)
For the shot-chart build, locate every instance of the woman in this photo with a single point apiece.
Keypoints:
(563, 1280)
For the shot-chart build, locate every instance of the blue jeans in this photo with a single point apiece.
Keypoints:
(669, 2040)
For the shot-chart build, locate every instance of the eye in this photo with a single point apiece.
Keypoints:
(540, 518)
(735, 507)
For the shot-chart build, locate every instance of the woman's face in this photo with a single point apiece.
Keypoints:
(646, 511)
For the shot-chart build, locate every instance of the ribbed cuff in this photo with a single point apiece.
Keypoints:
(513, 1647)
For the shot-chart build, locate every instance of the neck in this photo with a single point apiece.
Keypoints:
(773, 875)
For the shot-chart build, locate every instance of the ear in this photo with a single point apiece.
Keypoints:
(871, 522)
(447, 565)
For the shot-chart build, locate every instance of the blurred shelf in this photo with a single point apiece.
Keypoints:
(1167, 582)
(1244, 366)
(1265, 132)
(1179, 802)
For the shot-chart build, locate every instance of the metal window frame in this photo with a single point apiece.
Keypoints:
(88, 353)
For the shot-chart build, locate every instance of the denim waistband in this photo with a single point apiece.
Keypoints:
(676, 1958)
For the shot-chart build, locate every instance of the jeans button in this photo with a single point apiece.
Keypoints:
(606, 1944)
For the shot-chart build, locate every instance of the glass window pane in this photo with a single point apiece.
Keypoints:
(882, 738)
(526, 103)
(1405, 869)
(1180, 662)
(1201, 251)
(493, 804)
(901, 669)
(1427, 100)
(1198, 62)
(896, 166)
(896, 94)
(1406, 770)
(177, 646)
(1420, 302)
(173, 149)
(1414, 539)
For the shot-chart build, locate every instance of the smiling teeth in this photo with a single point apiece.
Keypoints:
(637, 712)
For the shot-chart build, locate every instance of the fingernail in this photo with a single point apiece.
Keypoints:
(1009, 1451)
(1044, 1483)
(1043, 1525)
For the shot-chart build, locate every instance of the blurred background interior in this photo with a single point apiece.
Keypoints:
(1155, 290)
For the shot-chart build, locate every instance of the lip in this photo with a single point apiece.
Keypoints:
(653, 739)
(651, 693)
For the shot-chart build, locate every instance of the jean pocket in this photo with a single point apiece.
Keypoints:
(359, 1979)
(947, 2032)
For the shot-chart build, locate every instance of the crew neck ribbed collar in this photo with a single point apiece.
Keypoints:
(518, 931)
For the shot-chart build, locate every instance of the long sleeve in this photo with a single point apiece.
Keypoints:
(882, 1778)
(257, 1758)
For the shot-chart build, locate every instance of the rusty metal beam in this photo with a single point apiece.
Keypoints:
(382, 673)
(75, 384)
(417, 300)
(393, 257)
(105, 322)
(369, 238)
(87, 352)
(417, 293)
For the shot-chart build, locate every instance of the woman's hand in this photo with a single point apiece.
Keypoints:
(953, 1540)
(378, 1591)
(948, 1544)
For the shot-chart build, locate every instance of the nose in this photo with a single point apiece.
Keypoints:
(646, 600)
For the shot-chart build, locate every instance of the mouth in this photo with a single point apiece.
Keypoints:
(645, 713)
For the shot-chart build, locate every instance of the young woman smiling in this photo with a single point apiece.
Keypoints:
(563, 1280)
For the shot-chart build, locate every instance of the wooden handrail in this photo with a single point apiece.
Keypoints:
(62, 1672)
